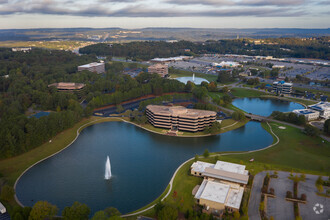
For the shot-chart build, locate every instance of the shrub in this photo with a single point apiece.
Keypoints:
(206, 153)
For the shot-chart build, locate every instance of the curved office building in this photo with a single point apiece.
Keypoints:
(179, 118)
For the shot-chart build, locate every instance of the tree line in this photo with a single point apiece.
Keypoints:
(316, 48)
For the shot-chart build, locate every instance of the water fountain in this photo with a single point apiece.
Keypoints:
(107, 174)
(193, 77)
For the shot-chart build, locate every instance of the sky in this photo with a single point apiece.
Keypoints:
(17, 14)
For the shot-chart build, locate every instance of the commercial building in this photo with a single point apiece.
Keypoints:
(21, 49)
(226, 64)
(179, 118)
(160, 69)
(171, 59)
(93, 67)
(222, 187)
(68, 86)
(281, 87)
(309, 114)
(323, 108)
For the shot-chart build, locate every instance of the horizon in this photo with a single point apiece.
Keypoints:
(137, 14)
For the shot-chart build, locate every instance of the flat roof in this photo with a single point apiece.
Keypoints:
(321, 106)
(226, 175)
(200, 166)
(91, 65)
(180, 111)
(304, 111)
(230, 167)
(213, 191)
(67, 85)
(235, 197)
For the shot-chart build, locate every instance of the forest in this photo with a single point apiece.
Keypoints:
(317, 48)
(24, 80)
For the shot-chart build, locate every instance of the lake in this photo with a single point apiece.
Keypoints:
(142, 165)
(265, 106)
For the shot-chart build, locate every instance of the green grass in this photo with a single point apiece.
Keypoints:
(241, 92)
(11, 168)
(295, 151)
(182, 73)
(312, 90)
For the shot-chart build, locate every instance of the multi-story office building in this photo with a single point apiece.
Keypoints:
(93, 67)
(323, 108)
(309, 114)
(160, 69)
(179, 118)
(281, 87)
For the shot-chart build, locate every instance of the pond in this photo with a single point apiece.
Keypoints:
(196, 80)
(142, 164)
(265, 106)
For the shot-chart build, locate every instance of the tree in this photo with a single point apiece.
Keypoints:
(100, 215)
(311, 130)
(196, 158)
(236, 215)
(168, 213)
(42, 210)
(326, 126)
(119, 109)
(238, 116)
(159, 206)
(206, 153)
(7, 193)
(76, 211)
(111, 211)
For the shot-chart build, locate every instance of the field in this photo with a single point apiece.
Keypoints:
(241, 92)
(56, 45)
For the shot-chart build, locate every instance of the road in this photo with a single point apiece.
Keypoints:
(255, 197)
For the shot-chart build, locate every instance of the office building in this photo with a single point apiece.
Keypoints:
(93, 67)
(160, 69)
(179, 118)
(281, 87)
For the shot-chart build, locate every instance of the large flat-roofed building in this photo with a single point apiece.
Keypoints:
(281, 87)
(228, 172)
(160, 69)
(323, 108)
(309, 114)
(171, 59)
(93, 67)
(68, 86)
(217, 196)
(222, 187)
(179, 118)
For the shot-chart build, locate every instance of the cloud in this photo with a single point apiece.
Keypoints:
(278, 3)
(140, 8)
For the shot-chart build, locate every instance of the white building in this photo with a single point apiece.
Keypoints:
(222, 187)
(281, 87)
(93, 67)
(23, 49)
(323, 108)
(171, 59)
(278, 67)
(309, 114)
(226, 64)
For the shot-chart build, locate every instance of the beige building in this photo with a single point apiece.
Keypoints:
(222, 187)
(307, 113)
(179, 118)
(160, 69)
(68, 86)
(93, 67)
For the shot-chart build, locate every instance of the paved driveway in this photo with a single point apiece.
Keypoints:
(253, 211)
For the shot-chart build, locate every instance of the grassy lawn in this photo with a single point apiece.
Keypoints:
(295, 151)
(11, 168)
(241, 92)
(315, 91)
(183, 73)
